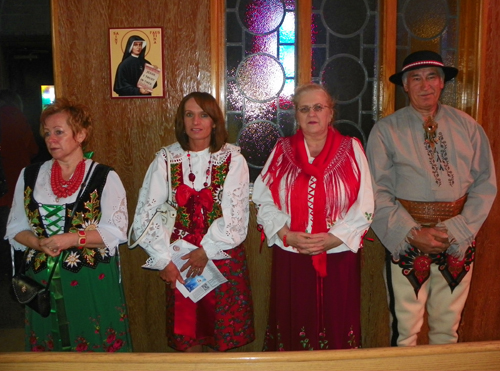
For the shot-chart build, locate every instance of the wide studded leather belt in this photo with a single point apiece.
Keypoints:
(428, 214)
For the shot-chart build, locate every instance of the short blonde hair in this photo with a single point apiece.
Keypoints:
(78, 117)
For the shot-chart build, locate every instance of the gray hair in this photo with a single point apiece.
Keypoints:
(439, 70)
(308, 87)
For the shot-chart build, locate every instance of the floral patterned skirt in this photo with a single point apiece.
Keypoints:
(310, 313)
(88, 311)
(232, 324)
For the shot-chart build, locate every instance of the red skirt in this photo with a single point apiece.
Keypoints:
(231, 325)
(312, 313)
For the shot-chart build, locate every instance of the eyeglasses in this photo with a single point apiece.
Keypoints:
(316, 108)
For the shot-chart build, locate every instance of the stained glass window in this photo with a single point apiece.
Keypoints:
(428, 25)
(260, 75)
(261, 63)
(344, 60)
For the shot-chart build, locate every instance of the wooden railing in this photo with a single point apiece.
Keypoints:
(463, 356)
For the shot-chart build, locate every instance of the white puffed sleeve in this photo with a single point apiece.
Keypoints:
(269, 216)
(18, 221)
(352, 227)
(153, 193)
(114, 216)
(231, 229)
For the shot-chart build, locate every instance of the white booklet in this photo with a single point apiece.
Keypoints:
(149, 77)
(197, 287)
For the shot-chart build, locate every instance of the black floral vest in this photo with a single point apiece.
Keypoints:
(86, 217)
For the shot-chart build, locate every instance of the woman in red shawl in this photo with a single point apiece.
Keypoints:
(315, 203)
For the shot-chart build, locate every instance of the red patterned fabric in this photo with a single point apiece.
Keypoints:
(202, 202)
(293, 324)
(335, 165)
(416, 266)
(223, 319)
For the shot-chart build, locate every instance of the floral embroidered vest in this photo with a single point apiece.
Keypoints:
(196, 215)
(87, 216)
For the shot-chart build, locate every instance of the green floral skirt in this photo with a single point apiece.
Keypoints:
(88, 309)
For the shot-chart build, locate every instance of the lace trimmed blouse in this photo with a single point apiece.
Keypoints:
(224, 233)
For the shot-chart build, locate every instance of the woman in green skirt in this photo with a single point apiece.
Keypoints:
(69, 214)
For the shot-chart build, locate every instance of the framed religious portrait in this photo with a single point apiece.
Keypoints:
(136, 62)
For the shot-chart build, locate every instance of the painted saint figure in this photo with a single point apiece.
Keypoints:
(131, 68)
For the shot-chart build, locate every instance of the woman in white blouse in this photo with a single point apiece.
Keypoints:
(70, 214)
(210, 184)
(315, 204)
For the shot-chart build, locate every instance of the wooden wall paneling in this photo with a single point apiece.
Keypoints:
(469, 56)
(129, 131)
(374, 309)
(218, 49)
(481, 318)
(387, 56)
(304, 52)
(56, 41)
(259, 265)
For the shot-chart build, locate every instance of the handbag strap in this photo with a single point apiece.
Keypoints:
(82, 187)
(158, 211)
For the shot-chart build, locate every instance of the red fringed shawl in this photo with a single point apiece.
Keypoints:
(337, 178)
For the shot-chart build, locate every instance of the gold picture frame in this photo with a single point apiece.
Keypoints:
(136, 62)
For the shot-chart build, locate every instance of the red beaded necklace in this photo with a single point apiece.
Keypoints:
(61, 187)
(192, 177)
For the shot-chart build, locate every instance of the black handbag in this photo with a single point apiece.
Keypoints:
(32, 293)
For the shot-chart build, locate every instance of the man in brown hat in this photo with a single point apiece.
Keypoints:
(434, 184)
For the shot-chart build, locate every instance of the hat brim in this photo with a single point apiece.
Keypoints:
(449, 73)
